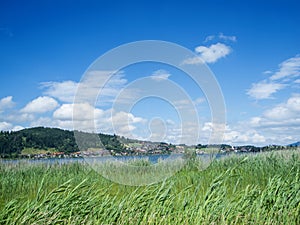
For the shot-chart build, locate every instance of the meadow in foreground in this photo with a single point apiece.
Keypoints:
(256, 189)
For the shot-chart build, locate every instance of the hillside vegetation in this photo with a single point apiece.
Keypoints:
(43, 140)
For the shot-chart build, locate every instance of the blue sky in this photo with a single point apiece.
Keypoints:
(252, 47)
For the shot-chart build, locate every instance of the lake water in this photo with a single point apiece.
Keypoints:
(152, 158)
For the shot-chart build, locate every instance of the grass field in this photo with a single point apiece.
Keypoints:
(256, 189)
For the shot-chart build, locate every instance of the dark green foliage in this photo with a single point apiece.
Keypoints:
(12, 143)
(43, 138)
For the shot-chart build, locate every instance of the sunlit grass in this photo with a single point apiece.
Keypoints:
(252, 189)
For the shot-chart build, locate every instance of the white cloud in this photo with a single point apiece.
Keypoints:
(209, 38)
(237, 135)
(173, 132)
(297, 81)
(105, 83)
(5, 126)
(122, 123)
(43, 122)
(64, 112)
(278, 113)
(63, 91)
(285, 111)
(227, 38)
(220, 36)
(286, 75)
(40, 105)
(281, 123)
(193, 61)
(267, 72)
(17, 128)
(245, 137)
(264, 90)
(81, 111)
(293, 103)
(83, 116)
(123, 117)
(214, 52)
(19, 117)
(290, 68)
(6, 102)
(159, 75)
(209, 54)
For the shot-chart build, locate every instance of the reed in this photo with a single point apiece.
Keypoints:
(253, 189)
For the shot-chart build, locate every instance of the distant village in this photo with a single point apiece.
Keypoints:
(43, 142)
(153, 148)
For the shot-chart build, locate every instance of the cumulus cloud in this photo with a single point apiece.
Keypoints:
(289, 110)
(19, 117)
(17, 128)
(105, 83)
(5, 126)
(43, 122)
(6, 102)
(80, 111)
(244, 137)
(123, 123)
(264, 90)
(85, 117)
(209, 54)
(214, 52)
(280, 123)
(40, 105)
(238, 135)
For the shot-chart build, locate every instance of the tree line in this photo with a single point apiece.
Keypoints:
(13, 142)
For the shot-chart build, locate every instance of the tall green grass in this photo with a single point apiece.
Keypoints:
(258, 189)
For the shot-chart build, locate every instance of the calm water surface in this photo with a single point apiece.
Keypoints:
(151, 158)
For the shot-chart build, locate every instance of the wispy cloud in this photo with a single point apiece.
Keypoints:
(227, 38)
(267, 72)
(297, 81)
(159, 75)
(264, 90)
(287, 74)
(209, 38)
(220, 36)
(288, 69)
(63, 91)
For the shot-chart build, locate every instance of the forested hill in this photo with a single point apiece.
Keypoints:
(15, 143)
